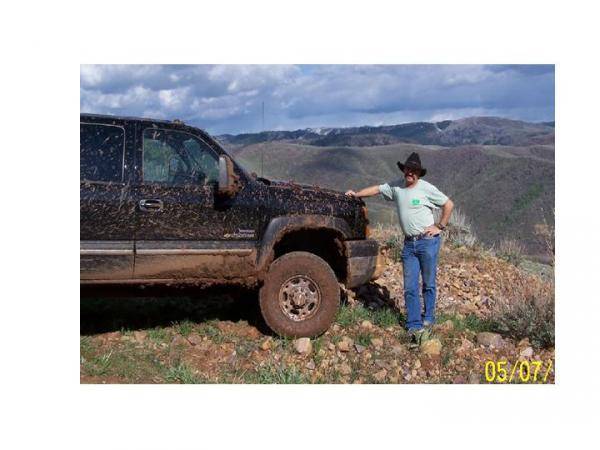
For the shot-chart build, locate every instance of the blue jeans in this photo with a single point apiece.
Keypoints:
(420, 258)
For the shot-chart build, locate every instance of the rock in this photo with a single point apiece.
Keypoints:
(459, 380)
(179, 340)
(380, 376)
(310, 365)
(526, 352)
(377, 342)
(473, 378)
(303, 346)
(465, 346)
(490, 339)
(113, 336)
(140, 336)
(266, 344)
(397, 350)
(366, 324)
(524, 343)
(344, 369)
(331, 346)
(359, 348)
(417, 364)
(232, 358)
(195, 339)
(382, 364)
(345, 344)
(432, 347)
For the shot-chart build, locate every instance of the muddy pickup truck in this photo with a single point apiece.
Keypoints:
(162, 202)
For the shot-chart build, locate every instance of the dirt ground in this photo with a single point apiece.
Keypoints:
(216, 335)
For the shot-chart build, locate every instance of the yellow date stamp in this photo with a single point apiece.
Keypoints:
(518, 372)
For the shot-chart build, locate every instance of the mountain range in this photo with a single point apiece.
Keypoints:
(499, 172)
(450, 133)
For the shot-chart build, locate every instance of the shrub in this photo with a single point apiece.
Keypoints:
(528, 313)
(544, 232)
(395, 244)
(460, 229)
(511, 251)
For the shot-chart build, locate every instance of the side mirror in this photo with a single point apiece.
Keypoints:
(229, 182)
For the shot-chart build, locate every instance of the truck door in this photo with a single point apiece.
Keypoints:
(181, 228)
(106, 217)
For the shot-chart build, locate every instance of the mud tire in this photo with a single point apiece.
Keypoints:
(307, 264)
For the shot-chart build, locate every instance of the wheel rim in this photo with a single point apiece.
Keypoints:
(299, 297)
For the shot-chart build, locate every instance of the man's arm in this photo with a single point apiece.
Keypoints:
(447, 208)
(366, 192)
(446, 212)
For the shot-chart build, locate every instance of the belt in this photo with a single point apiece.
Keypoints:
(416, 237)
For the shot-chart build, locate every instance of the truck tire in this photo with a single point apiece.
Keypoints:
(300, 296)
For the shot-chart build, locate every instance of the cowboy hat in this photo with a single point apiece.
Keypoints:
(413, 162)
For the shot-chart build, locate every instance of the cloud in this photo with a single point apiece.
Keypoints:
(228, 98)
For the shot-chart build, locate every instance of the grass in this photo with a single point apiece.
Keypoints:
(182, 374)
(511, 251)
(468, 322)
(317, 346)
(158, 335)
(184, 327)
(387, 317)
(213, 333)
(97, 365)
(244, 348)
(383, 317)
(274, 373)
(364, 339)
(348, 316)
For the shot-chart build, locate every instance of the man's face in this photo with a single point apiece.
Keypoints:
(411, 175)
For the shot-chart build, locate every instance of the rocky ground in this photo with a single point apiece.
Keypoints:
(216, 336)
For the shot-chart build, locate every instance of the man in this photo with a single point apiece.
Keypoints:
(415, 200)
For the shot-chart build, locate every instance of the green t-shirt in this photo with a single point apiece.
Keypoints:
(415, 205)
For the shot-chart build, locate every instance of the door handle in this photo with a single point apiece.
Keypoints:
(151, 205)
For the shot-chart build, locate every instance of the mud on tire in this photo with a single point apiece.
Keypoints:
(294, 282)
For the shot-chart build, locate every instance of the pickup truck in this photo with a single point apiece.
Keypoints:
(162, 202)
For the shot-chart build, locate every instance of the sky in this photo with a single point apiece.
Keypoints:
(228, 98)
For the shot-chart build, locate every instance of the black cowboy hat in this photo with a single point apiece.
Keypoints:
(413, 162)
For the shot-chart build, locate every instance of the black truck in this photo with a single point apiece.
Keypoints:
(162, 202)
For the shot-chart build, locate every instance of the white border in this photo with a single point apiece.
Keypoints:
(46, 406)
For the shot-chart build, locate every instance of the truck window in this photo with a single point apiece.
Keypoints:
(176, 158)
(101, 150)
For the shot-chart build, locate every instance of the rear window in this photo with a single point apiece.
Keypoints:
(101, 149)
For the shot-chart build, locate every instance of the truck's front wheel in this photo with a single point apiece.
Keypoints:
(300, 296)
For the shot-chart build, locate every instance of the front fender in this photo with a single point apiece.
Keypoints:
(280, 226)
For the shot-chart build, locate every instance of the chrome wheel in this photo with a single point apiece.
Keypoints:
(299, 297)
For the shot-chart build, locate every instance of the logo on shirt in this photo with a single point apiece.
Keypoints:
(415, 201)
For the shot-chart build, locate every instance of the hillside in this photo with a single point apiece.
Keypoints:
(504, 190)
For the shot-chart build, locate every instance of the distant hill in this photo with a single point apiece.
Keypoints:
(451, 133)
(504, 189)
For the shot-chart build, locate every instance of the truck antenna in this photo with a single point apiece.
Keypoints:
(262, 152)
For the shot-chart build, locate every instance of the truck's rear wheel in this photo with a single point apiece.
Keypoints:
(300, 296)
